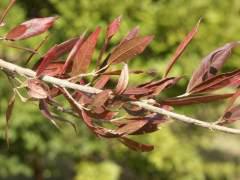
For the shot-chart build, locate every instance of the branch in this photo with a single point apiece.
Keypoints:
(66, 84)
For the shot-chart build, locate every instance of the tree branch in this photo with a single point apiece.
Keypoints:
(66, 84)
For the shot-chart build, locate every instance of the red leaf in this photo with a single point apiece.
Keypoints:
(131, 34)
(217, 82)
(113, 27)
(53, 69)
(73, 52)
(131, 127)
(101, 98)
(135, 145)
(46, 59)
(65, 46)
(160, 85)
(129, 49)
(189, 100)
(182, 46)
(30, 28)
(84, 54)
(232, 112)
(232, 115)
(102, 81)
(137, 91)
(211, 65)
(36, 89)
(123, 80)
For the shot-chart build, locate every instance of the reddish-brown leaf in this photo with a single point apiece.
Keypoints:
(137, 91)
(53, 69)
(36, 89)
(182, 46)
(217, 82)
(30, 28)
(134, 110)
(136, 146)
(46, 60)
(123, 80)
(232, 112)
(131, 34)
(73, 52)
(131, 127)
(84, 54)
(65, 46)
(211, 64)
(231, 115)
(158, 86)
(102, 81)
(113, 27)
(129, 49)
(101, 98)
(197, 99)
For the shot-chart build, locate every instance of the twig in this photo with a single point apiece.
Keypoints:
(92, 90)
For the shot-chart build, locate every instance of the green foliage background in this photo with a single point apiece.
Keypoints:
(181, 152)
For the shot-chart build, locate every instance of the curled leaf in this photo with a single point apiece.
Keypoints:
(211, 64)
(123, 80)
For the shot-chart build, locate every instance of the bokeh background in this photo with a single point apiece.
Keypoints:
(184, 152)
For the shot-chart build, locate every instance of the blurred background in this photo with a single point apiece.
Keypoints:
(184, 152)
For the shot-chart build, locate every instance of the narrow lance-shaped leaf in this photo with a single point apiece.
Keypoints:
(129, 49)
(73, 52)
(131, 34)
(46, 59)
(102, 81)
(197, 99)
(8, 115)
(131, 127)
(135, 145)
(84, 55)
(211, 64)
(113, 27)
(30, 28)
(182, 46)
(54, 53)
(123, 80)
(217, 82)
